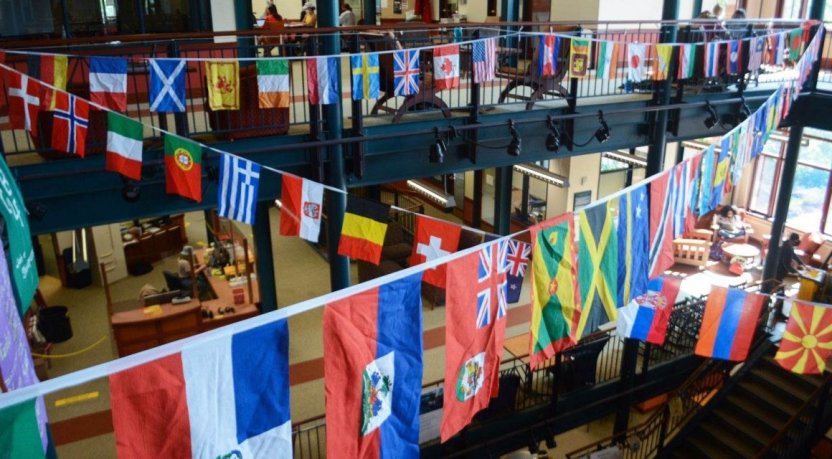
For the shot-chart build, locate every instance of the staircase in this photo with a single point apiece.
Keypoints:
(766, 414)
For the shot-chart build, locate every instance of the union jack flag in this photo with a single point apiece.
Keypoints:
(406, 72)
(517, 257)
(484, 58)
(490, 279)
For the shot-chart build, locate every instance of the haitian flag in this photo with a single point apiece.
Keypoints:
(728, 324)
(373, 371)
(597, 268)
(215, 399)
(473, 335)
(661, 223)
(434, 239)
(646, 317)
(807, 341)
(547, 56)
(733, 57)
(633, 243)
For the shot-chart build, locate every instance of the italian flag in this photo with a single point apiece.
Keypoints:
(273, 83)
(124, 146)
(687, 59)
(608, 56)
(183, 167)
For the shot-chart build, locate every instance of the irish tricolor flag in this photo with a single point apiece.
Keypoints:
(221, 399)
(608, 56)
(273, 83)
(124, 146)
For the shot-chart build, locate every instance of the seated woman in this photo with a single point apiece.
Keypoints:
(730, 224)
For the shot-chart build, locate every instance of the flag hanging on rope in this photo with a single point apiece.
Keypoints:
(363, 230)
(728, 324)
(239, 182)
(273, 83)
(322, 80)
(733, 57)
(302, 207)
(661, 223)
(124, 146)
(636, 58)
(597, 268)
(580, 55)
(183, 167)
(711, 59)
(52, 70)
(756, 49)
(807, 342)
(691, 186)
(661, 64)
(406, 72)
(609, 53)
(446, 67)
(633, 244)
(687, 61)
(365, 77)
(484, 58)
(71, 118)
(167, 85)
(547, 55)
(434, 239)
(517, 260)
(108, 82)
(24, 101)
(645, 318)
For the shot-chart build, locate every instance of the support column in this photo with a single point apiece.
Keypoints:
(510, 12)
(655, 153)
(243, 21)
(781, 210)
(370, 13)
(339, 267)
(210, 231)
(476, 212)
(502, 200)
(697, 8)
(264, 255)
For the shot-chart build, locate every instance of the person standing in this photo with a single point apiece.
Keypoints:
(347, 17)
(310, 18)
(786, 259)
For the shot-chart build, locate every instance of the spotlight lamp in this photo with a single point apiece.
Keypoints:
(438, 149)
(713, 117)
(553, 139)
(602, 134)
(516, 145)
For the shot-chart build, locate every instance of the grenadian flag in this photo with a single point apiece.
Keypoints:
(633, 244)
(225, 398)
(728, 324)
(373, 371)
(646, 317)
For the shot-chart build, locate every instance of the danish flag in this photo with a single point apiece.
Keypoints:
(24, 101)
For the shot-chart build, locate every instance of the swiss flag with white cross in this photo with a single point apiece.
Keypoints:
(434, 239)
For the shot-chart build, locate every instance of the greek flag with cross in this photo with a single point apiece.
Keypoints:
(167, 85)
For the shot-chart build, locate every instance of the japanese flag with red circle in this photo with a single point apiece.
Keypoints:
(636, 55)
(446, 67)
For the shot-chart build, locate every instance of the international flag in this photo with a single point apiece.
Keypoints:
(484, 58)
(706, 181)
(728, 324)
(636, 59)
(364, 228)
(691, 191)
(733, 57)
(406, 72)
(223, 84)
(108, 82)
(23, 100)
(237, 193)
(215, 399)
(775, 49)
(167, 85)
(517, 260)
(52, 70)
(609, 53)
(547, 55)
(183, 167)
(2, 57)
(580, 56)
(597, 268)
(807, 342)
(555, 294)
(20, 434)
(322, 80)
(302, 208)
(124, 146)
(473, 335)
(661, 64)
(711, 59)
(633, 243)
(434, 239)
(687, 61)
(373, 369)
(365, 77)
(781, 49)
(723, 164)
(661, 223)
(71, 118)
(678, 197)
(273, 83)
(755, 55)
(738, 152)
(446, 67)
(645, 318)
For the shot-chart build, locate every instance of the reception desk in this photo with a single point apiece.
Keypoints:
(136, 328)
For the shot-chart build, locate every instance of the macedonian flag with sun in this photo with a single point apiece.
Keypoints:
(807, 341)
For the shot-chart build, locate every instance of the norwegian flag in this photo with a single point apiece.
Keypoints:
(484, 284)
(484, 54)
(406, 72)
(69, 124)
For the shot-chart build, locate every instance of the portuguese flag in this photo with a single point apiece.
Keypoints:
(183, 167)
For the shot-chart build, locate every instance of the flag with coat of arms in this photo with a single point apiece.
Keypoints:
(302, 203)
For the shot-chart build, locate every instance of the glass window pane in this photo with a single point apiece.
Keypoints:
(806, 205)
(763, 191)
(818, 153)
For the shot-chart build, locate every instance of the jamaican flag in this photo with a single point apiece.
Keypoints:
(597, 268)
(555, 295)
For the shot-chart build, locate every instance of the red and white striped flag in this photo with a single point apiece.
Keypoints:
(484, 59)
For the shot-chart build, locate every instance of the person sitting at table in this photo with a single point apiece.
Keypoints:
(271, 14)
(730, 225)
(309, 18)
(272, 21)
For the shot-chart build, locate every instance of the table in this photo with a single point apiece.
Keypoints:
(747, 251)
(518, 346)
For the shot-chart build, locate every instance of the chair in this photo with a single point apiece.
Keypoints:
(749, 230)
(270, 40)
(582, 363)
(173, 281)
(809, 244)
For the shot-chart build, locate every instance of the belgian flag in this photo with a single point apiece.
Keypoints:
(365, 224)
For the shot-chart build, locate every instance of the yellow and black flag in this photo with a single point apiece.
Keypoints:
(365, 224)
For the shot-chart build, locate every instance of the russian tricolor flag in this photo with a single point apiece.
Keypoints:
(226, 398)
(108, 82)
(646, 317)
(728, 324)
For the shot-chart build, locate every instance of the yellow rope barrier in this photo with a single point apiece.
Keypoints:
(71, 354)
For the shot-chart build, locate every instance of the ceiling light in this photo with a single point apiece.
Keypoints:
(542, 174)
(632, 160)
(516, 145)
(445, 200)
(602, 134)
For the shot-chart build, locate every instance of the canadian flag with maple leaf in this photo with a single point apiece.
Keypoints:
(446, 67)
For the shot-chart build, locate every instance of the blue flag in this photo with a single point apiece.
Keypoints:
(518, 254)
(167, 85)
(706, 182)
(239, 182)
(365, 77)
(633, 243)
(406, 72)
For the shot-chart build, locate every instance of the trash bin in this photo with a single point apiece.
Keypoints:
(54, 324)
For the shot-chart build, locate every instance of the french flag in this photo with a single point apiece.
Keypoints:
(226, 398)
(108, 82)
(645, 318)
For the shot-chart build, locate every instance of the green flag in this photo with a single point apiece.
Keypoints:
(597, 268)
(183, 167)
(19, 435)
(21, 255)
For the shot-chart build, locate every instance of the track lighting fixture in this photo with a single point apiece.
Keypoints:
(131, 191)
(438, 149)
(602, 134)
(515, 147)
(712, 118)
(745, 112)
(553, 139)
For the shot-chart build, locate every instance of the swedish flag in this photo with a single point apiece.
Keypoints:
(365, 78)
(597, 268)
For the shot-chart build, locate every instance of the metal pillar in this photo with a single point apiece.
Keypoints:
(510, 12)
(697, 8)
(655, 153)
(816, 10)
(339, 267)
(243, 20)
(781, 210)
(476, 211)
(210, 231)
(264, 256)
(502, 200)
(370, 12)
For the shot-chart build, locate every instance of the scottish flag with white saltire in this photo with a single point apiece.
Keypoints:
(167, 84)
(239, 182)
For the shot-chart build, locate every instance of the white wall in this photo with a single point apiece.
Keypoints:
(224, 19)
(611, 183)
(571, 10)
(109, 250)
(583, 176)
(618, 10)
(474, 10)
